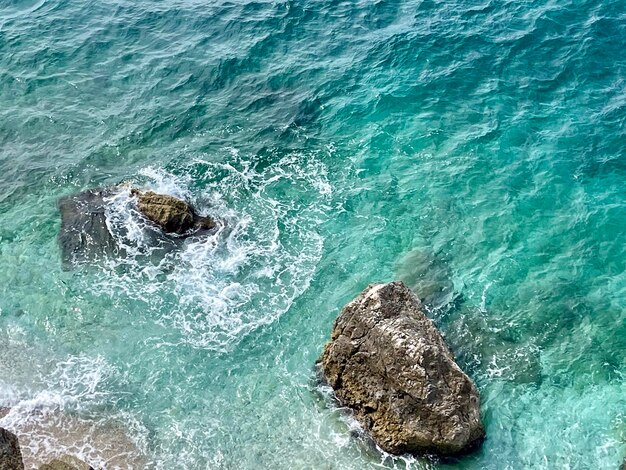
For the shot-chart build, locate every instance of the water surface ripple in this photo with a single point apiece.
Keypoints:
(476, 150)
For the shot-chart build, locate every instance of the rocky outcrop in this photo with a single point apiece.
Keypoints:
(173, 215)
(85, 235)
(389, 364)
(66, 462)
(10, 455)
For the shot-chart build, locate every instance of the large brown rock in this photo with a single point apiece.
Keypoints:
(10, 455)
(388, 363)
(173, 215)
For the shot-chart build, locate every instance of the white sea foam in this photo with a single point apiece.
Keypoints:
(223, 285)
(57, 417)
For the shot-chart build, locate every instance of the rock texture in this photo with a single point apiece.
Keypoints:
(10, 455)
(388, 363)
(66, 462)
(171, 214)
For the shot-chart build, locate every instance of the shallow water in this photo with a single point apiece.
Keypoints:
(476, 151)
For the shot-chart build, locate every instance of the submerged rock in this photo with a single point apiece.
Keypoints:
(47, 435)
(66, 462)
(389, 364)
(10, 455)
(84, 234)
(173, 215)
(429, 275)
(495, 346)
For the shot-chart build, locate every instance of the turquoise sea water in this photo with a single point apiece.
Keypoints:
(475, 150)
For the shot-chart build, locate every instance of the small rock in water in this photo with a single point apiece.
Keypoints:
(388, 363)
(85, 236)
(171, 214)
(66, 462)
(10, 455)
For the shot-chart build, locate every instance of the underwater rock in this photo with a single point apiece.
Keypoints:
(430, 277)
(388, 363)
(66, 462)
(84, 234)
(10, 455)
(173, 215)
(495, 347)
(48, 435)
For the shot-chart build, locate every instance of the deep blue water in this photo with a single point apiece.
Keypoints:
(476, 151)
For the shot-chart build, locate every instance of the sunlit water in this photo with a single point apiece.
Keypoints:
(475, 150)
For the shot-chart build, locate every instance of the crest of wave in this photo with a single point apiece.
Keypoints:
(215, 289)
